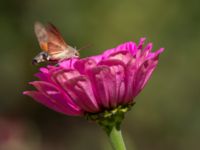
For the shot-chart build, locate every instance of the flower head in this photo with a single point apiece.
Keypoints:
(93, 84)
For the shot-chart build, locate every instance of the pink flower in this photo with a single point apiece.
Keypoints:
(97, 83)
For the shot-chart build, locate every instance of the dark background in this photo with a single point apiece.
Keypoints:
(166, 115)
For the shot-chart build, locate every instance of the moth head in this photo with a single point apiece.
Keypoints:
(41, 57)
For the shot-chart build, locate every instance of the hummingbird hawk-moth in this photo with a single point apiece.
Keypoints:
(54, 48)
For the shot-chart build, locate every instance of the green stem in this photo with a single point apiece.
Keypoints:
(110, 121)
(116, 139)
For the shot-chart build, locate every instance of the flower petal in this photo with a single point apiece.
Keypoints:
(83, 65)
(124, 56)
(137, 78)
(79, 88)
(41, 98)
(155, 54)
(68, 64)
(56, 96)
(117, 70)
(128, 46)
(108, 82)
(130, 74)
(141, 43)
(103, 84)
(147, 50)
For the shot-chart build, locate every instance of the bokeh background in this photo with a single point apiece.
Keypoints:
(166, 115)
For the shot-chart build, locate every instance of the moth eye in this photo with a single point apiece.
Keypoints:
(44, 55)
(34, 62)
(76, 53)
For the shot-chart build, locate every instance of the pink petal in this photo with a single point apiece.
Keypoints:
(123, 56)
(41, 98)
(128, 46)
(56, 96)
(117, 70)
(141, 76)
(141, 43)
(79, 89)
(84, 64)
(69, 63)
(103, 83)
(97, 58)
(130, 80)
(155, 54)
(147, 50)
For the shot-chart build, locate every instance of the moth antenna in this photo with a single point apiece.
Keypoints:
(84, 47)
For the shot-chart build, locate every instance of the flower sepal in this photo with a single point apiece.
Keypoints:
(110, 118)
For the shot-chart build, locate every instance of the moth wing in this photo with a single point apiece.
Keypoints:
(42, 36)
(54, 48)
(49, 38)
(56, 43)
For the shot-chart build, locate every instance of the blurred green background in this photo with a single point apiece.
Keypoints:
(166, 115)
